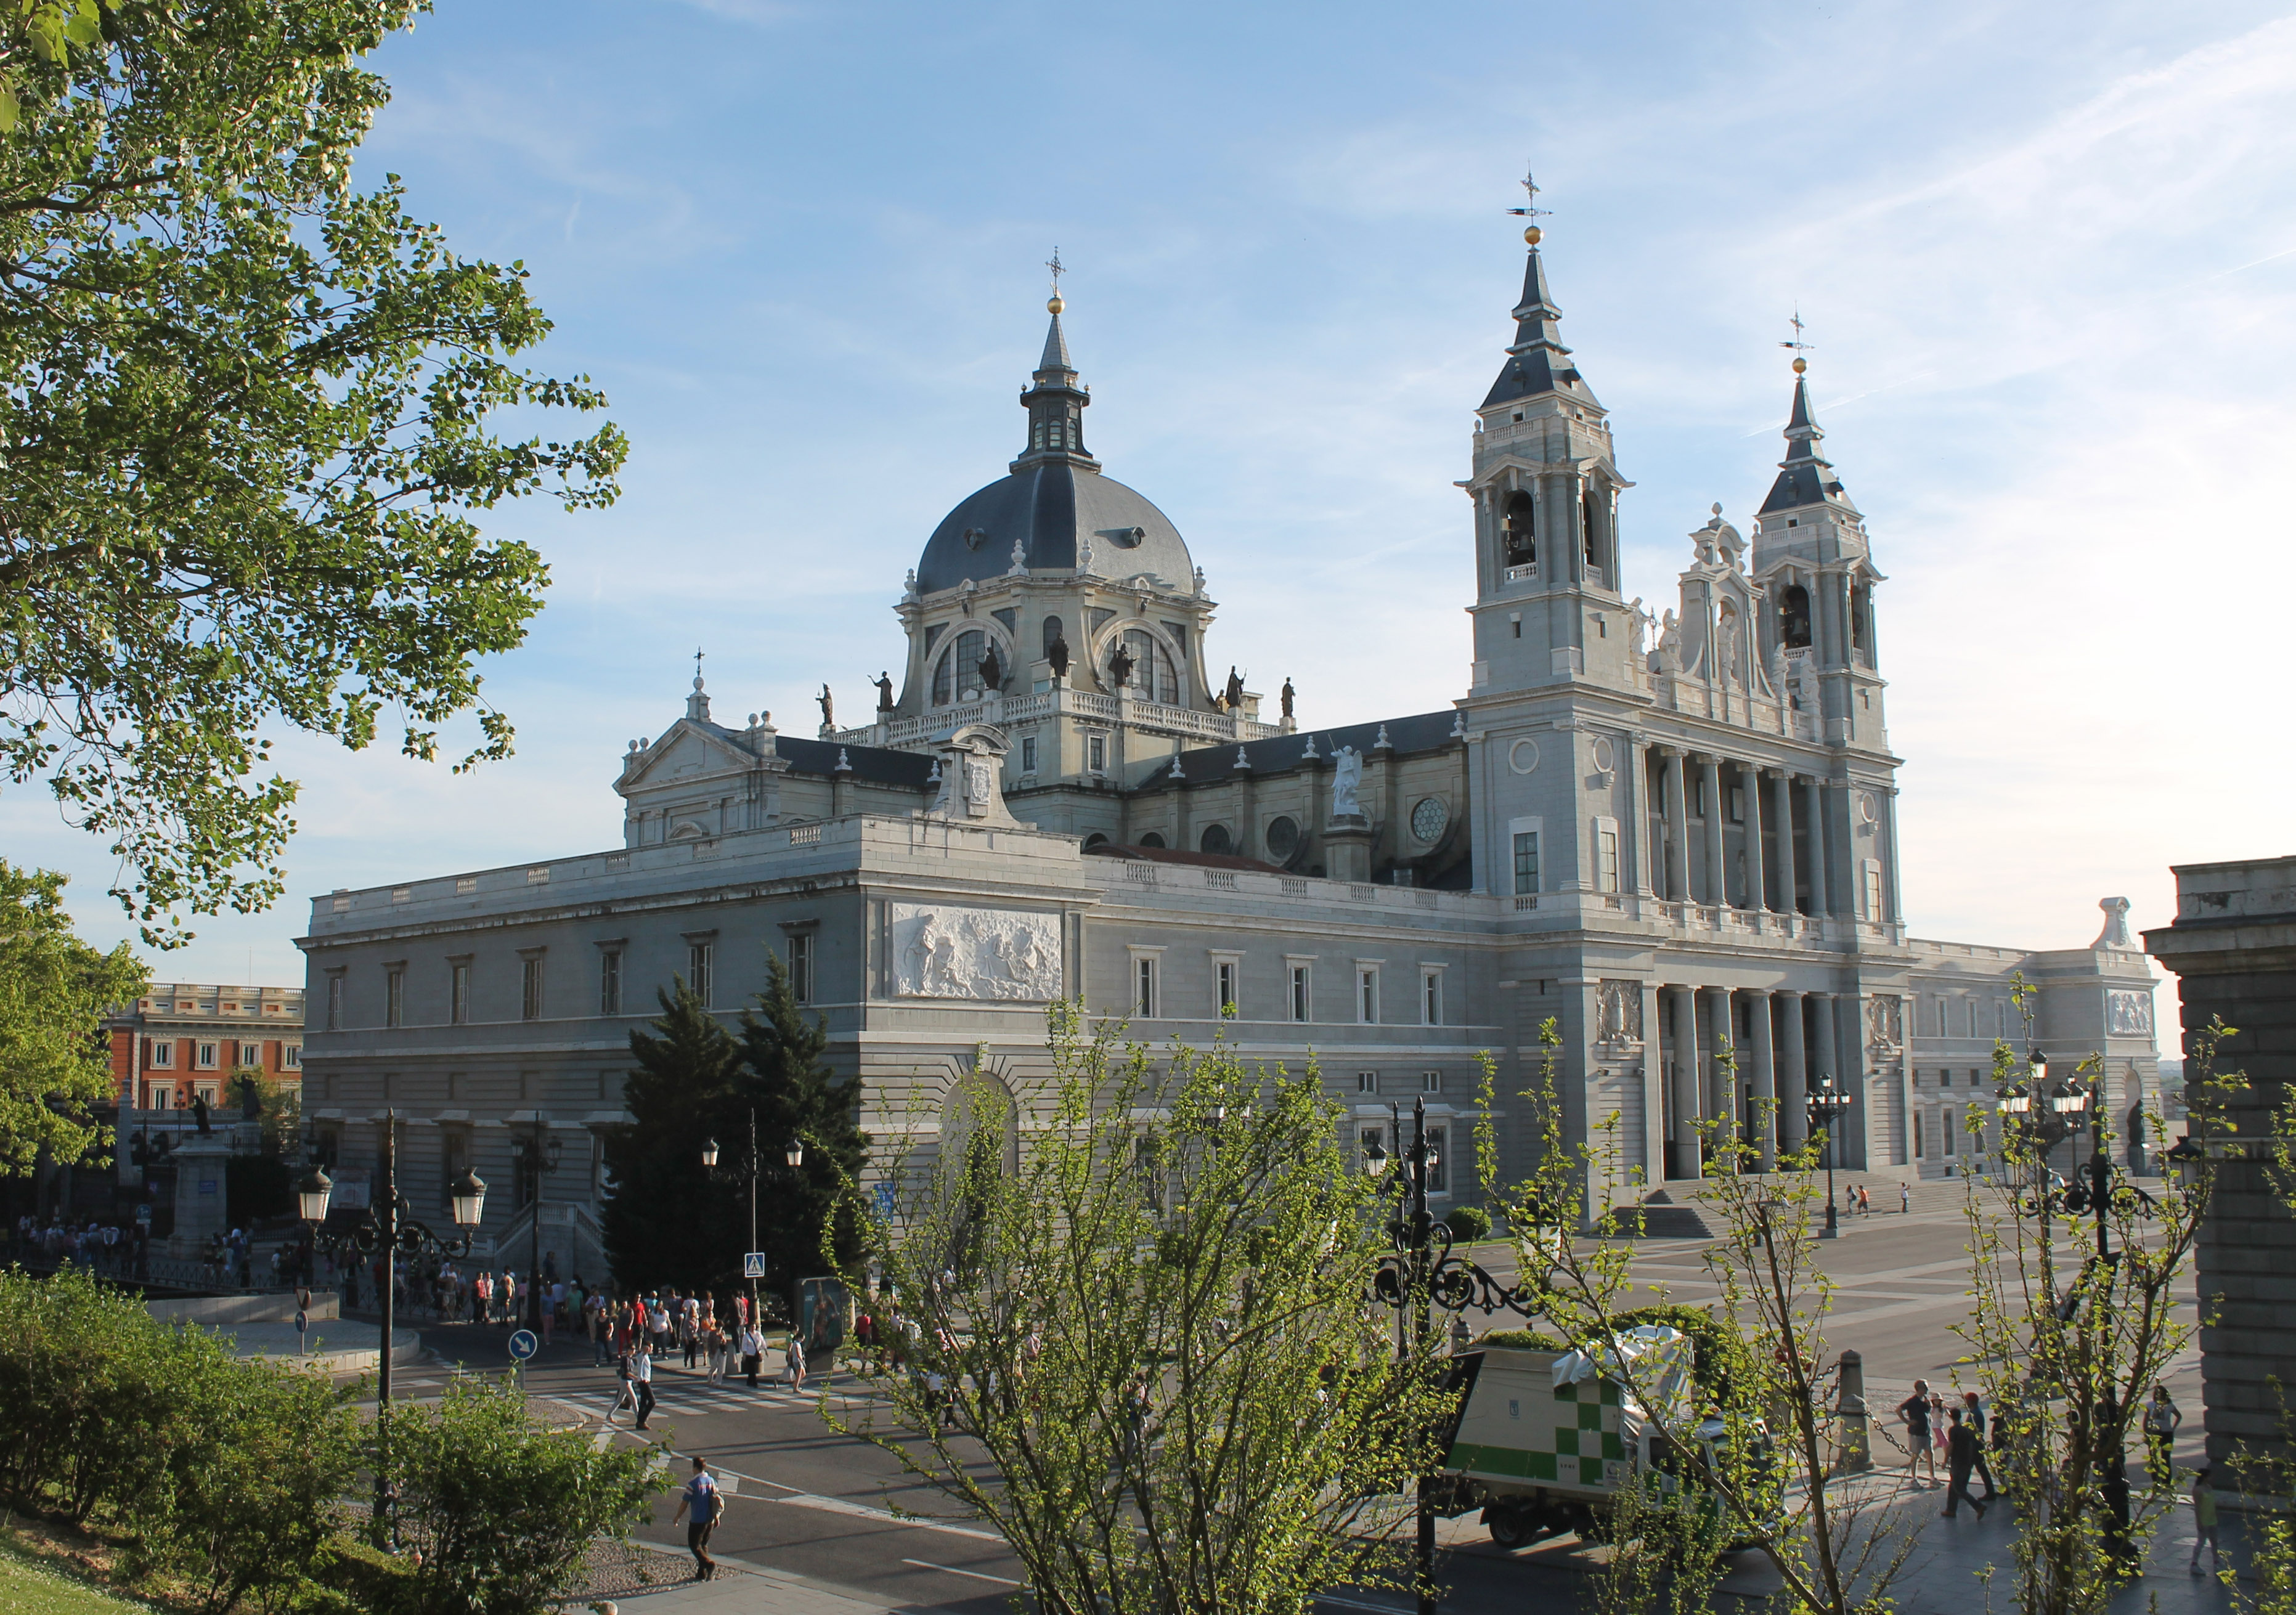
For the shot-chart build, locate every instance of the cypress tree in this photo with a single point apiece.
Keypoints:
(670, 1222)
(809, 1219)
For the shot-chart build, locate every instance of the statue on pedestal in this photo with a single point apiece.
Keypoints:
(1347, 778)
(1232, 698)
(1286, 698)
(992, 677)
(884, 693)
(1058, 655)
(827, 702)
(1119, 667)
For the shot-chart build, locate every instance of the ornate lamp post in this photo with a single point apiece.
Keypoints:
(792, 1153)
(536, 1156)
(1826, 1104)
(389, 1229)
(1420, 1274)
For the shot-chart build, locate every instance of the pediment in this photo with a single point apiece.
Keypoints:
(687, 751)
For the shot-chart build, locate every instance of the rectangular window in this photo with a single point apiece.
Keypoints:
(1300, 1004)
(335, 1002)
(1098, 751)
(1921, 1127)
(1431, 1082)
(163, 1054)
(1430, 997)
(1737, 804)
(610, 982)
(1367, 997)
(458, 992)
(699, 957)
(394, 997)
(290, 1056)
(1439, 1161)
(1027, 754)
(1973, 1017)
(159, 1097)
(801, 966)
(1606, 854)
(1366, 1082)
(1144, 987)
(1946, 1115)
(1872, 889)
(530, 991)
(1148, 1162)
(1224, 976)
(1526, 862)
(207, 1052)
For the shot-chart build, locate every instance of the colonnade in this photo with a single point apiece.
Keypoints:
(1769, 801)
(1783, 1042)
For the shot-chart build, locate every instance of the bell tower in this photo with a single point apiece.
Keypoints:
(1547, 608)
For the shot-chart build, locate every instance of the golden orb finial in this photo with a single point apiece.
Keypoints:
(1055, 305)
(1801, 364)
(1531, 233)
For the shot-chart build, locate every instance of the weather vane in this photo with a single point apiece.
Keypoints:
(1059, 269)
(1530, 197)
(697, 664)
(1797, 346)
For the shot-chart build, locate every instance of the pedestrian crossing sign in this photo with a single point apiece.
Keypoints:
(753, 1265)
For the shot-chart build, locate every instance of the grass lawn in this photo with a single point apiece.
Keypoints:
(28, 1589)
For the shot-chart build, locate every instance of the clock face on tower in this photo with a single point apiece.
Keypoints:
(1428, 817)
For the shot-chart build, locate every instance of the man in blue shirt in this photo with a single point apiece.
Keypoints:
(700, 1498)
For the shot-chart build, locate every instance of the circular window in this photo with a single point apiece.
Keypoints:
(1605, 755)
(1283, 837)
(1151, 839)
(1522, 757)
(1428, 817)
(1215, 839)
(1868, 808)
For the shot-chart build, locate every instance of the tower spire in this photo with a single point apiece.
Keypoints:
(1537, 362)
(1055, 403)
(1805, 476)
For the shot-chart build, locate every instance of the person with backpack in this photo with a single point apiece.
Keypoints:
(2161, 1417)
(1915, 1410)
(700, 1498)
(1961, 1457)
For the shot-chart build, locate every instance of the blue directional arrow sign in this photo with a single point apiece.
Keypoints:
(523, 1345)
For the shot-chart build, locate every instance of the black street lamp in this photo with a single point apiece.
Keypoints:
(1825, 1105)
(389, 1229)
(792, 1153)
(1420, 1274)
(535, 1156)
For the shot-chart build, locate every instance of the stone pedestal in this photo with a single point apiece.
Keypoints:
(1346, 848)
(199, 1160)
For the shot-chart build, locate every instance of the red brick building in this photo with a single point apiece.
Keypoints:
(182, 1040)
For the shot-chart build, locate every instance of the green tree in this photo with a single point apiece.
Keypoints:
(247, 414)
(667, 1222)
(810, 1220)
(54, 989)
(502, 1510)
(1147, 1304)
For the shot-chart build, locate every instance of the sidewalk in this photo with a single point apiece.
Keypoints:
(742, 1587)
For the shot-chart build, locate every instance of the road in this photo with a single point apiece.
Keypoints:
(835, 1508)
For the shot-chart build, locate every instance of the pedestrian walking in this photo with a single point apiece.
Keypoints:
(700, 1499)
(1865, 1201)
(593, 1308)
(753, 1352)
(793, 1361)
(642, 1376)
(2204, 1522)
(1961, 1457)
(1915, 1410)
(1905, 1198)
(1972, 1413)
(626, 1391)
(2161, 1417)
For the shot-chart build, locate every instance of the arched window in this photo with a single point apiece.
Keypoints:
(1151, 839)
(1152, 677)
(1587, 518)
(1052, 634)
(1861, 615)
(1215, 839)
(1094, 839)
(958, 670)
(1522, 535)
(1793, 616)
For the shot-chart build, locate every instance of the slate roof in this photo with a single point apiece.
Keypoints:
(1805, 476)
(1046, 506)
(1537, 362)
(878, 764)
(1282, 753)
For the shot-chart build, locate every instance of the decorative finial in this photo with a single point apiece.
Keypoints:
(1798, 345)
(697, 667)
(1531, 211)
(1054, 263)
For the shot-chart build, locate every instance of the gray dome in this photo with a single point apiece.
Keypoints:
(1048, 507)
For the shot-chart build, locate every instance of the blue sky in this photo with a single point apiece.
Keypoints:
(2047, 254)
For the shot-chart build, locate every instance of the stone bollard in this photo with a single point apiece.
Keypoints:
(1856, 1455)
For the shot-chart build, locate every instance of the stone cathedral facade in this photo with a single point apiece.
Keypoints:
(1669, 832)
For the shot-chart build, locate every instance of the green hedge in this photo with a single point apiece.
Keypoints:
(1468, 1223)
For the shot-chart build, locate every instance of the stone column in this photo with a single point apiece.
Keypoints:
(1717, 869)
(1682, 1028)
(1794, 1075)
(1765, 1080)
(1821, 900)
(1757, 896)
(1677, 829)
(1721, 1086)
(1782, 783)
(1653, 1087)
(1634, 769)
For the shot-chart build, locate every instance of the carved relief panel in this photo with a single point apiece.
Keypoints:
(942, 950)
(2128, 1014)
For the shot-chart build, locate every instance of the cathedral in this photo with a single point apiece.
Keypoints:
(1672, 831)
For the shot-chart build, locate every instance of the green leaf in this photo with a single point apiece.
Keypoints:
(8, 107)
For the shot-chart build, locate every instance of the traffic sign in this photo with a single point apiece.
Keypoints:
(884, 1199)
(523, 1345)
(753, 1265)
